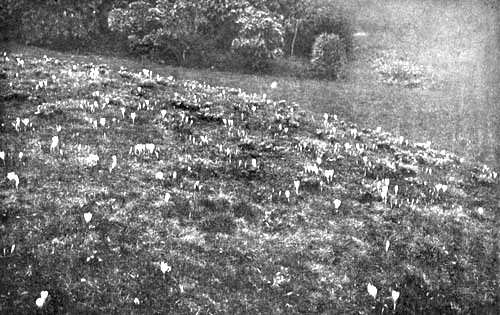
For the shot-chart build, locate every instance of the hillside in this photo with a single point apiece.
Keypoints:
(141, 194)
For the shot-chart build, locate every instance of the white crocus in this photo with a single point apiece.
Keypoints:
(287, 195)
(133, 116)
(113, 163)
(274, 85)
(165, 267)
(123, 112)
(13, 177)
(372, 290)
(55, 143)
(337, 203)
(159, 175)
(254, 163)
(87, 216)
(102, 121)
(395, 297)
(92, 159)
(296, 183)
(2, 156)
(163, 113)
(167, 197)
(40, 302)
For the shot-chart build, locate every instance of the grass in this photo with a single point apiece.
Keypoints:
(232, 240)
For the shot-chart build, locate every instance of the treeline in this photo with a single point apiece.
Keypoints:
(245, 34)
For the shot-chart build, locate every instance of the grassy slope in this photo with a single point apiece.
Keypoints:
(236, 245)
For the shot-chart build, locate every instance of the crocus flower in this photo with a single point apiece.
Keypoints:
(113, 163)
(87, 216)
(274, 85)
(337, 203)
(102, 121)
(167, 197)
(123, 112)
(287, 195)
(163, 113)
(296, 183)
(395, 297)
(254, 163)
(165, 267)
(133, 115)
(40, 302)
(159, 175)
(13, 177)
(2, 156)
(372, 290)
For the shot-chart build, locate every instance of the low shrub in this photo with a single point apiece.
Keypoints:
(312, 18)
(328, 56)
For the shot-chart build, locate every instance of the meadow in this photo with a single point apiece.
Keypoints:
(127, 191)
(131, 187)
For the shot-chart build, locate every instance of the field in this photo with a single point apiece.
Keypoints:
(126, 191)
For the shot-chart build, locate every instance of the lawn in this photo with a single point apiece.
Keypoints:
(126, 191)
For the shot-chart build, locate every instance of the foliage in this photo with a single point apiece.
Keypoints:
(177, 31)
(259, 40)
(311, 18)
(328, 56)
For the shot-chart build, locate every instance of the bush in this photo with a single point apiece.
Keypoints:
(328, 56)
(259, 39)
(312, 18)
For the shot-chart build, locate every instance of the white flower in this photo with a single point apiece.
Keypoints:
(163, 113)
(102, 121)
(274, 85)
(136, 301)
(287, 194)
(372, 290)
(113, 163)
(123, 112)
(55, 143)
(40, 302)
(13, 177)
(92, 159)
(337, 203)
(159, 175)
(87, 216)
(387, 244)
(44, 294)
(133, 116)
(167, 197)
(254, 163)
(395, 297)
(165, 267)
(150, 147)
(296, 183)
(2, 156)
